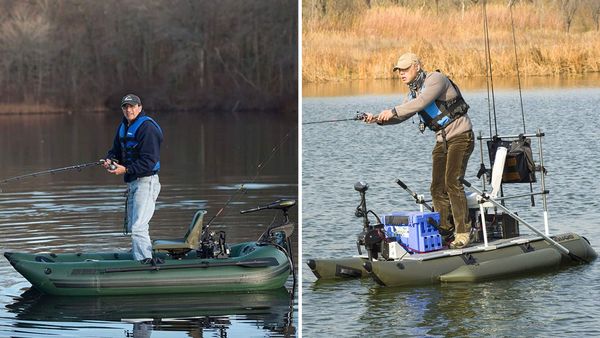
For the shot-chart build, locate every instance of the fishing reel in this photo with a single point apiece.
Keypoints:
(213, 245)
(372, 236)
(360, 116)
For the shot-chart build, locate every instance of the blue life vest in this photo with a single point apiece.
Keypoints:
(130, 141)
(439, 114)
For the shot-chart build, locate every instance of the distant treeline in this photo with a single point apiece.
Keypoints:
(225, 55)
(361, 39)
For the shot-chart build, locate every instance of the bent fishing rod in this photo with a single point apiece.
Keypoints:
(359, 117)
(77, 167)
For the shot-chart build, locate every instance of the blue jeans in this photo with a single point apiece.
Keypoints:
(141, 200)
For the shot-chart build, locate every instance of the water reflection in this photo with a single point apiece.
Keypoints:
(197, 314)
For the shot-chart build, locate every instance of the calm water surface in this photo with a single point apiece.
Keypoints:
(336, 155)
(205, 158)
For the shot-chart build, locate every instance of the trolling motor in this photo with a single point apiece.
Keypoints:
(372, 235)
(281, 237)
(287, 228)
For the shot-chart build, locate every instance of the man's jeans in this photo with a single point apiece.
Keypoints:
(447, 192)
(141, 199)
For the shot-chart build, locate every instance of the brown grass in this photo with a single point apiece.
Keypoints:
(452, 42)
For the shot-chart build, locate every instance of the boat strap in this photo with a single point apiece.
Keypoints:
(468, 259)
(526, 247)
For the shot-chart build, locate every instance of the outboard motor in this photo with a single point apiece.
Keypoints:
(372, 235)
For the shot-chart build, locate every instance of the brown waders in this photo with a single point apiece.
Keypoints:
(450, 160)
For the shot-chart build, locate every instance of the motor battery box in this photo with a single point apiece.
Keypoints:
(416, 231)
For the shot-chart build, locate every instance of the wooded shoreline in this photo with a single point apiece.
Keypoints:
(225, 55)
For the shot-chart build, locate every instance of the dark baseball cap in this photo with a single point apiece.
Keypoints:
(130, 99)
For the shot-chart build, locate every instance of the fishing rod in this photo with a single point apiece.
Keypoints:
(259, 168)
(512, 24)
(359, 117)
(57, 170)
(489, 77)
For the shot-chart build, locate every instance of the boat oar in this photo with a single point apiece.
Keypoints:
(255, 263)
(550, 241)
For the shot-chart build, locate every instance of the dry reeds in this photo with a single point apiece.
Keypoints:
(452, 41)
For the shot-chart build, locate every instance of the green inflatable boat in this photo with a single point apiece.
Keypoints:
(197, 263)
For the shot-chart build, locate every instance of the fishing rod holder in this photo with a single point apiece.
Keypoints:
(520, 167)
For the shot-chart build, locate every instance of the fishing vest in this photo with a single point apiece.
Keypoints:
(129, 141)
(439, 114)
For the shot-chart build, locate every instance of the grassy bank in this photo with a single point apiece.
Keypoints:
(366, 44)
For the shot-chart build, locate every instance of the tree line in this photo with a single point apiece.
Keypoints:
(586, 12)
(224, 55)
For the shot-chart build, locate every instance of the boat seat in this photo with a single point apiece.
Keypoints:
(190, 241)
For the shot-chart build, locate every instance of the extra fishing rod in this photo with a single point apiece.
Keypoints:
(489, 78)
(259, 168)
(77, 167)
(512, 24)
(359, 117)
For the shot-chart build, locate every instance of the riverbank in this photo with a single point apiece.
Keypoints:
(396, 87)
(367, 45)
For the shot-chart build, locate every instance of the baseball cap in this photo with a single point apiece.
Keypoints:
(130, 99)
(406, 60)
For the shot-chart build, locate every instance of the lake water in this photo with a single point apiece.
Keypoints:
(336, 155)
(205, 158)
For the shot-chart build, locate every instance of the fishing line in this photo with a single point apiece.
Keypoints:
(259, 168)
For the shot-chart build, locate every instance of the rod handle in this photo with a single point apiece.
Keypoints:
(400, 183)
(465, 182)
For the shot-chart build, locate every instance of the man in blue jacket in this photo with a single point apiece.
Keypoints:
(136, 155)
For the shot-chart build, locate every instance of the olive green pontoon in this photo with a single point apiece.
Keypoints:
(497, 251)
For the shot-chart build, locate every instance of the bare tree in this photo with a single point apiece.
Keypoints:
(568, 9)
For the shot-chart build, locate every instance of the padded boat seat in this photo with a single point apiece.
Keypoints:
(190, 241)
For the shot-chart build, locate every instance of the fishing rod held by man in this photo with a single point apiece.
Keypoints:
(56, 170)
(359, 117)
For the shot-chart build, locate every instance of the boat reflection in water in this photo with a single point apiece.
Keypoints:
(269, 311)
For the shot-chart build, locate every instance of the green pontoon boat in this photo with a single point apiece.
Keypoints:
(406, 248)
(197, 263)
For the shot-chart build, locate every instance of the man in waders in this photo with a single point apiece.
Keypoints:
(441, 108)
(136, 155)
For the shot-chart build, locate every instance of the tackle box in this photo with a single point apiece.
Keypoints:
(416, 231)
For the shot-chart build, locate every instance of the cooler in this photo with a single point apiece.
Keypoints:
(416, 231)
